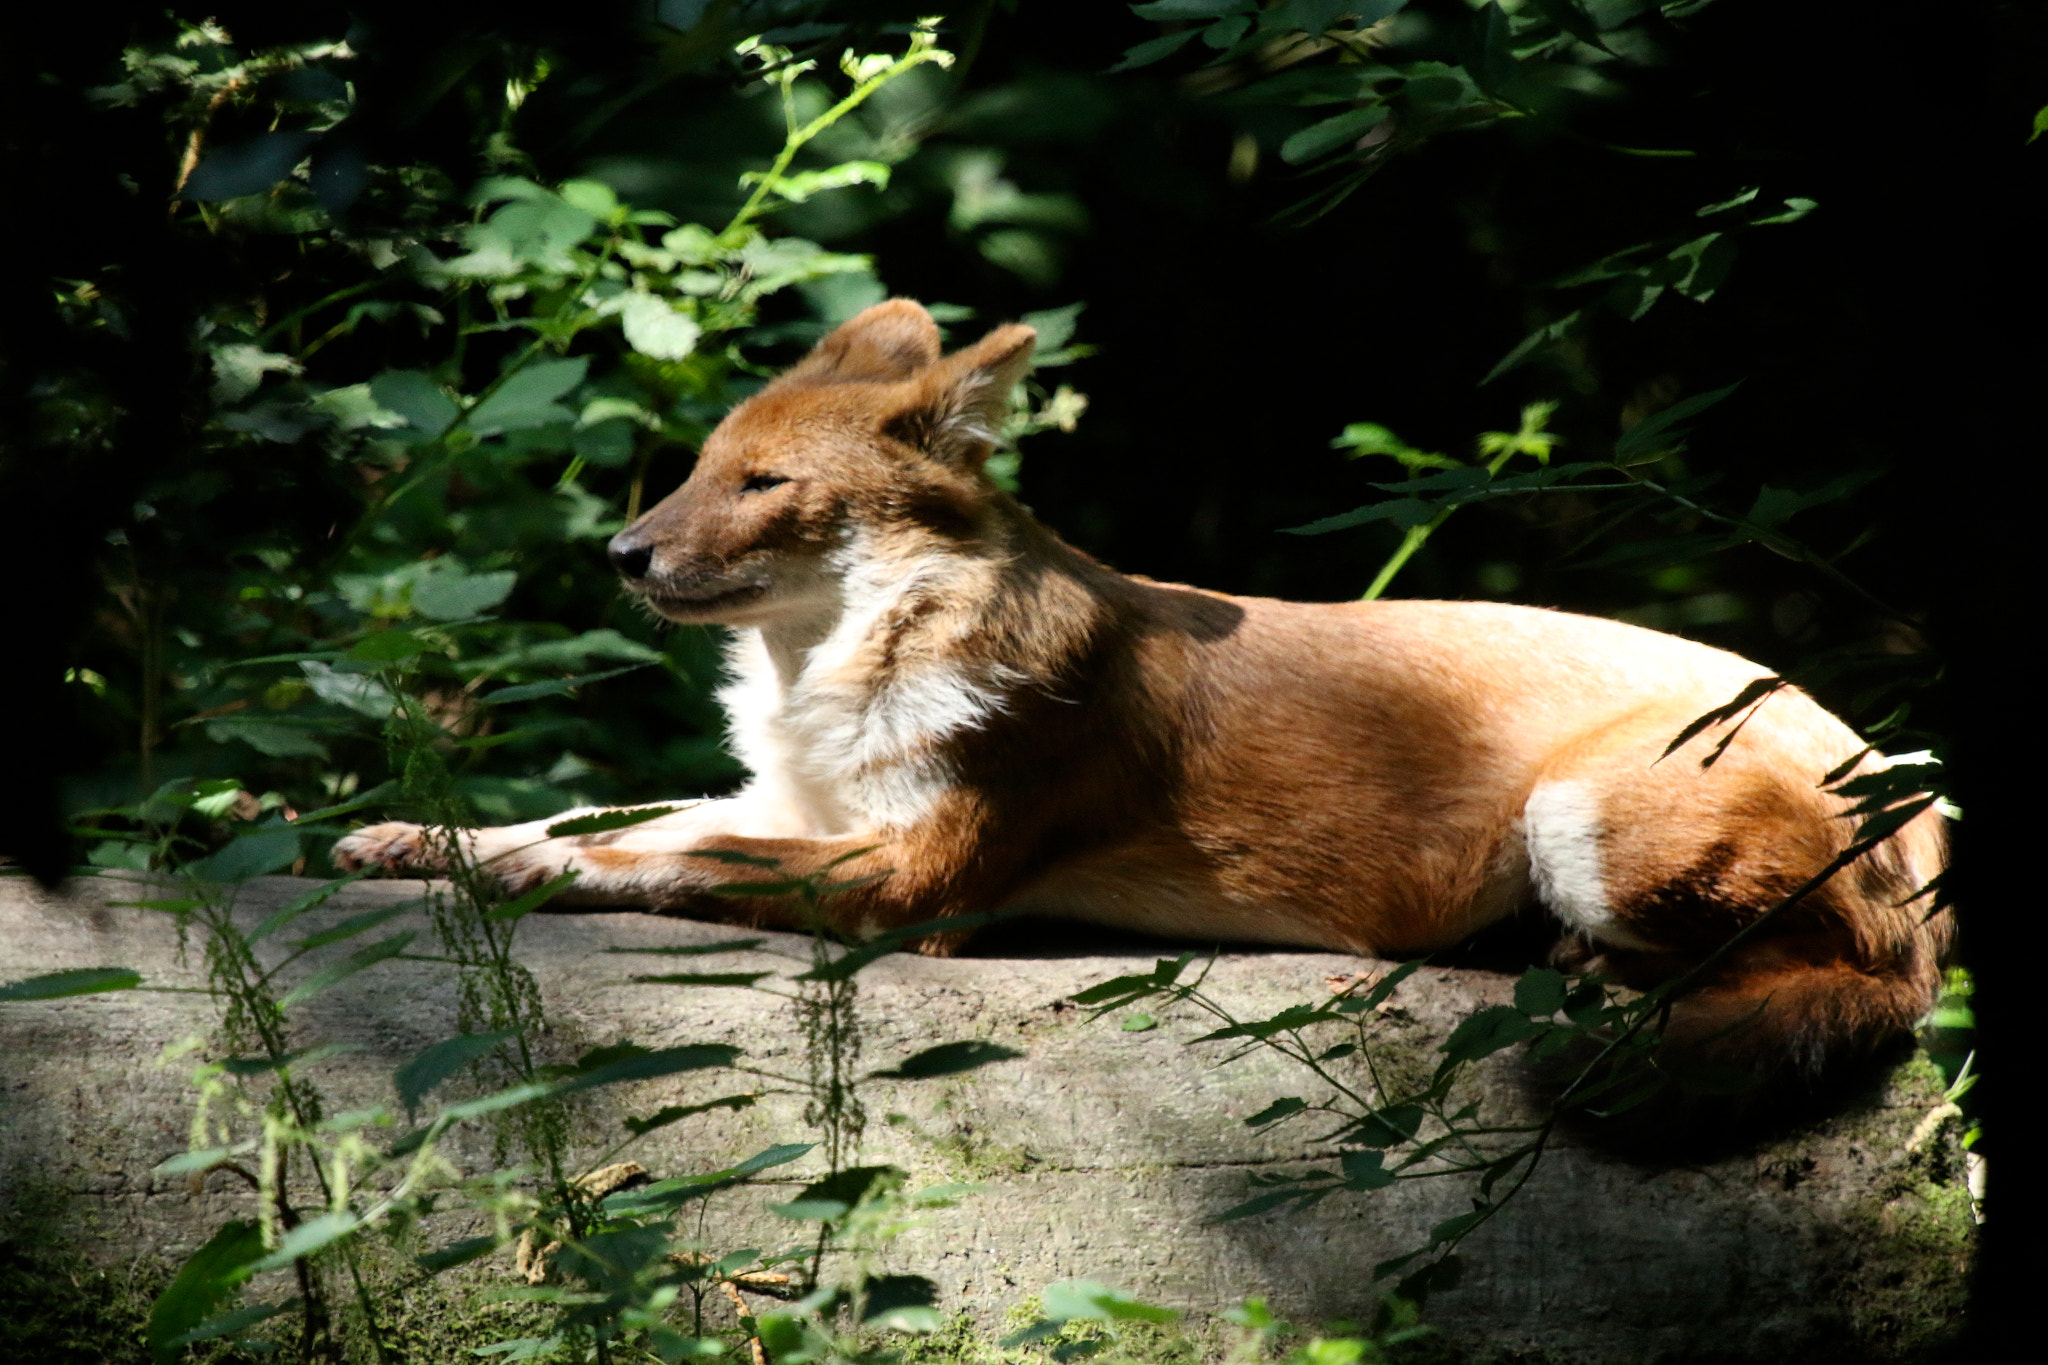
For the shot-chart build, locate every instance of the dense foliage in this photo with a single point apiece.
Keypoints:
(355, 332)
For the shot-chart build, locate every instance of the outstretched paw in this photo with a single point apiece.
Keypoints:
(392, 847)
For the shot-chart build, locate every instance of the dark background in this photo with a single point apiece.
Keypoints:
(1895, 328)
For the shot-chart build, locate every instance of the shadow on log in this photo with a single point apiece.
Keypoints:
(1101, 1153)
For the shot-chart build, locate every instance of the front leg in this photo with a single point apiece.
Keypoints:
(522, 856)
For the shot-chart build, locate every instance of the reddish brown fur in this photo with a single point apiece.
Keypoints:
(930, 675)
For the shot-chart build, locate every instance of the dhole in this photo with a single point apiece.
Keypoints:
(928, 684)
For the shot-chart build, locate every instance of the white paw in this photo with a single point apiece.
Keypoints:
(392, 847)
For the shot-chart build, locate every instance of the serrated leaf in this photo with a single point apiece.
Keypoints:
(646, 1065)
(1403, 512)
(419, 1077)
(299, 905)
(553, 688)
(1657, 431)
(458, 596)
(208, 1276)
(247, 167)
(1540, 993)
(1153, 50)
(77, 981)
(357, 924)
(252, 855)
(413, 395)
(604, 821)
(1088, 1300)
(527, 398)
(532, 899)
(307, 1238)
(387, 647)
(1329, 134)
(357, 961)
(654, 327)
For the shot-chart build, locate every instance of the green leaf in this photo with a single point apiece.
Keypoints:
(654, 327)
(1656, 433)
(359, 692)
(1568, 15)
(527, 397)
(1169, 11)
(509, 1098)
(1752, 694)
(1123, 990)
(355, 962)
(229, 1324)
(1153, 50)
(726, 945)
(1540, 992)
(732, 857)
(299, 905)
(381, 792)
(606, 820)
(1055, 327)
(1775, 505)
(665, 1196)
(554, 688)
(642, 1065)
(1139, 1022)
(307, 1238)
(1088, 1300)
(424, 405)
(252, 855)
(532, 899)
(594, 197)
(272, 738)
(77, 981)
(949, 1059)
(1543, 337)
(357, 924)
(450, 596)
(1403, 512)
(387, 647)
(1488, 1031)
(1370, 438)
(1331, 133)
(206, 1278)
(418, 1078)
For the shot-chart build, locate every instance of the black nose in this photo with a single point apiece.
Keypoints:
(630, 557)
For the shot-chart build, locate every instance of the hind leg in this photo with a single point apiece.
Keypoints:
(1655, 863)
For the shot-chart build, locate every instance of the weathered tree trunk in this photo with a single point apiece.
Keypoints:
(1102, 1153)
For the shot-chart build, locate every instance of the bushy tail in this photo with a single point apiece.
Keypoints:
(1835, 983)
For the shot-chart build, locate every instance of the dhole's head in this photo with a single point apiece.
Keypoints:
(873, 435)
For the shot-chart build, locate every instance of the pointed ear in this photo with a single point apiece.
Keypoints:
(957, 412)
(888, 342)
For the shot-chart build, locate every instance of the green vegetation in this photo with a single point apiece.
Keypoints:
(365, 332)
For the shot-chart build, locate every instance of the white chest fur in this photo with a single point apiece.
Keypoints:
(844, 716)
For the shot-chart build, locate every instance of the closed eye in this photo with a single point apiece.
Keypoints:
(761, 483)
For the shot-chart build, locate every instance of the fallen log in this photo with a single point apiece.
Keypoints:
(1102, 1152)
